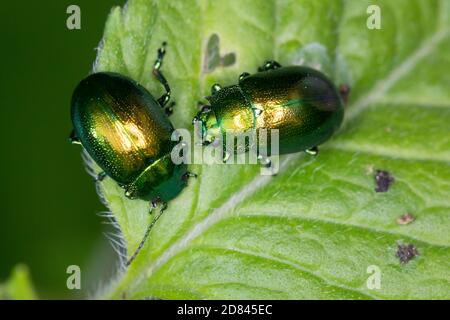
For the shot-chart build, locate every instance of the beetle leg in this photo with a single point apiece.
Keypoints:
(269, 65)
(185, 177)
(265, 161)
(130, 191)
(225, 156)
(102, 175)
(169, 108)
(314, 151)
(159, 76)
(243, 75)
(154, 204)
(215, 88)
(204, 108)
(201, 105)
(73, 138)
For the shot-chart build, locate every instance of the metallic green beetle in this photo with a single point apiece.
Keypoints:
(302, 103)
(127, 133)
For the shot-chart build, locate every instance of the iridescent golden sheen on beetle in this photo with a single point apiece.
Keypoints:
(302, 103)
(125, 130)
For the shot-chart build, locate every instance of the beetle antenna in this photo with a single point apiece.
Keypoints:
(149, 228)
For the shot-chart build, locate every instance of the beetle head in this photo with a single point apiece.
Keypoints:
(209, 128)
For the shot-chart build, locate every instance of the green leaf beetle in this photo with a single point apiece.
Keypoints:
(302, 103)
(127, 133)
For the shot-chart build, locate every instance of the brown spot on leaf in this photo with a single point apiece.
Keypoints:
(406, 252)
(383, 180)
(407, 218)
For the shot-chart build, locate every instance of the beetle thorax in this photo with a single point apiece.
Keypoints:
(230, 112)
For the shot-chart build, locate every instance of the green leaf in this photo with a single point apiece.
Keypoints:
(18, 286)
(313, 230)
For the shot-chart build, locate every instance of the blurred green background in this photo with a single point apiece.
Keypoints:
(49, 205)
